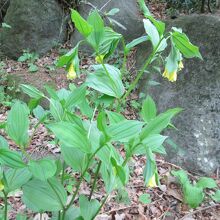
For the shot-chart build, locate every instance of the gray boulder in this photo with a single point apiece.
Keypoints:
(36, 25)
(4, 4)
(197, 90)
(128, 16)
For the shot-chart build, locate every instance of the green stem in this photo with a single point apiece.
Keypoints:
(103, 203)
(6, 205)
(95, 179)
(123, 70)
(63, 172)
(25, 153)
(140, 74)
(82, 177)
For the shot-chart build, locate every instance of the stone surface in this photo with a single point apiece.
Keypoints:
(36, 25)
(128, 16)
(4, 4)
(197, 90)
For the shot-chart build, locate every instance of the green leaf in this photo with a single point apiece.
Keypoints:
(39, 112)
(88, 208)
(11, 159)
(32, 68)
(216, 196)
(135, 42)
(56, 110)
(172, 60)
(153, 142)
(107, 83)
(159, 123)
(4, 25)
(145, 198)
(21, 217)
(41, 196)
(76, 97)
(193, 195)
(102, 123)
(109, 42)
(71, 135)
(181, 175)
(205, 182)
(115, 117)
(149, 170)
(119, 171)
(182, 42)
(97, 35)
(32, 91)
(3, 143)
(18, 123)
(43, 169)
(124, 130)
(152, 32)
(14, 179)
(149, 109)
(144, 8)
(73, 157)
(71, 57)
(113, 11)
(73, 213)
(81, 24)
(52, 92)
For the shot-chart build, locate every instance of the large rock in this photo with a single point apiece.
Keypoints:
(4, 4)
(128, 16)
(36, 25)
(197, 90)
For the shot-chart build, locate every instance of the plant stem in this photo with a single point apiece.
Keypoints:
(95, 179)
(63, 172)
(103, 203)
(140, 74)
(25, 153)
(82, 176)
(123, 70)
(134, 83)
(6, 205)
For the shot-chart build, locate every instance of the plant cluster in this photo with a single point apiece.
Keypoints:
(194, 193)
(30, 59)
(89, 127)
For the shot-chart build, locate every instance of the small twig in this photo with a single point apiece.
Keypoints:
(130, 207)
(200, 210)
(105, 5)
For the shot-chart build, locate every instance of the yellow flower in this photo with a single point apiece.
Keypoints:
(100, 58)
(180, 65)
(152, 182)
(71, 72)
(172, 77)
(1, 186)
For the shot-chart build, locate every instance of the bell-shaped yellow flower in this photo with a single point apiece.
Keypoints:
(152, 182)
(1, 186)
(180, 65)
(71, 72)
(172, 77)
(100, 58)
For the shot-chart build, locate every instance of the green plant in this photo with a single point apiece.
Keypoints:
(194, 193)
(88, 126)
(30, 58)
(5, 99)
